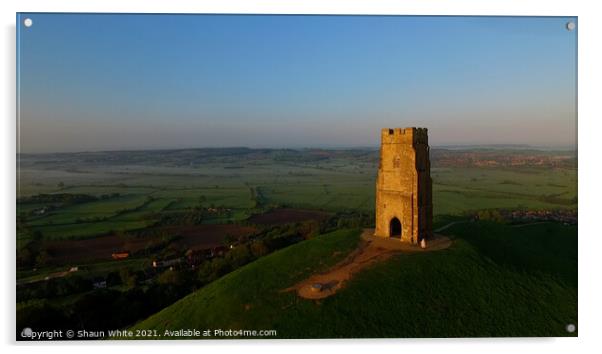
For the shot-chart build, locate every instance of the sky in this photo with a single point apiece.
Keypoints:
(89, 82)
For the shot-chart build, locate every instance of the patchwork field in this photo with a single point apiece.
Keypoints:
(248, 180)
(75, 210)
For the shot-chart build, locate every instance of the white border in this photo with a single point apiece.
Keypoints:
(589, 177)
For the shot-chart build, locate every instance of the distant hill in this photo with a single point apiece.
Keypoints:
(495, 280)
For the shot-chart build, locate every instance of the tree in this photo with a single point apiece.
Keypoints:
(258, 249)
(205, 272)
(219, 267)
(128, 278)
(239, 256)
(490, 215)
(170, 277)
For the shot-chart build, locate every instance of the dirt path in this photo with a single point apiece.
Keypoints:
(370, 250)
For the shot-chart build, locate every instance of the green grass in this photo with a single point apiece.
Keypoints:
(495, 280)
(228, 196)
(456, 190)
(78, 221)
(222, 302)
(90, 229)
(102, 208)
(147, 210)
(544, 249)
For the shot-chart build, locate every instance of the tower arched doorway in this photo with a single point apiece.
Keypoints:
(395, 228)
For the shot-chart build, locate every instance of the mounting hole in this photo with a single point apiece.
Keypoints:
(570, 26)
(28, 22)
(570, 328)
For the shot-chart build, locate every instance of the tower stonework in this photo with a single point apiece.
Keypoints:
(404, 207)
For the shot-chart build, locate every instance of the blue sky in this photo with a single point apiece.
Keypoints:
(107, 82)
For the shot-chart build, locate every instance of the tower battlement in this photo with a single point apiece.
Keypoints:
(404, 136)
(404, 186)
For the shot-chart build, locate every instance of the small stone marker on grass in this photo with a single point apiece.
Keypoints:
(316, 287)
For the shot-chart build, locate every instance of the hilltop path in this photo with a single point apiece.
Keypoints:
(370, 250)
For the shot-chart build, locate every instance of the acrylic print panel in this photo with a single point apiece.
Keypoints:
(274, 177)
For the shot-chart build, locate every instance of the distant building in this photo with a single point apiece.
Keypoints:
(120, 255)
(404, 207)
(167, 263)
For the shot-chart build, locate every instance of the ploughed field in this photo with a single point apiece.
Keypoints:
(181, 237)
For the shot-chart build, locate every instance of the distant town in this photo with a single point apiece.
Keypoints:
(501, 158)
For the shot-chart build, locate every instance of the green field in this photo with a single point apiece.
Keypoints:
(494, 281)
(456, 190)
(497, 279)
(100, 209)
(344, 181)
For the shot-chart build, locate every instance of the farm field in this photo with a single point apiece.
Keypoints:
(128, 192)
(245, 181)
(215, 220)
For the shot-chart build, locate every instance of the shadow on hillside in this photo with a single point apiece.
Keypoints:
(546, 248)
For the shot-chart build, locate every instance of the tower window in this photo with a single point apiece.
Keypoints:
(396, 162)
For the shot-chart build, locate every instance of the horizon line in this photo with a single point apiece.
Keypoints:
(566, 147)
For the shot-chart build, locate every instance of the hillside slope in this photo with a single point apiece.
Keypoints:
(495, 280)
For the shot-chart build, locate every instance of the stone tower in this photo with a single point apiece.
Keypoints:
(404, 207)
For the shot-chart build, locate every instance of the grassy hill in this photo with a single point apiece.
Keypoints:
(495, 280)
